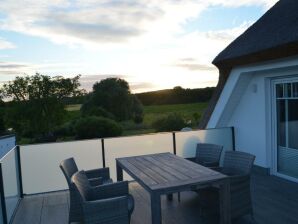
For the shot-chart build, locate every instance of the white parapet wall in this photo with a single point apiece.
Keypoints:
(40, 162)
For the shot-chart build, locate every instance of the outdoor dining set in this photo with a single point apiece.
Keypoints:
(220, 179)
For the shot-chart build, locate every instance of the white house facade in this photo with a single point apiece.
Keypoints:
(250, 104)
(257, 92)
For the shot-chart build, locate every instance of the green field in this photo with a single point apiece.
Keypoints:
(186, 110)
(151, 113)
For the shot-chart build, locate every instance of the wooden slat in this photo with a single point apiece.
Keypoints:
(55, 214)
(275, 201)
(29, 211)
(167, 171)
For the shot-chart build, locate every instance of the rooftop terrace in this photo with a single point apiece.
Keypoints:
(275, 201)
(30, 172)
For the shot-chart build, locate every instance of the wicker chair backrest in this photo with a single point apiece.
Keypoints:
(241, 162)
(208, 152)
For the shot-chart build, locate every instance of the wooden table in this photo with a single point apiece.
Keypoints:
(166, 173)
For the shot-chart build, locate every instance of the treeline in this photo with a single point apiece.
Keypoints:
(177, 95)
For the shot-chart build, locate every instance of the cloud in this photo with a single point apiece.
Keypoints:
(141, 87)
(4, 44)
(87, 81)
(105, 21)
(193, 64)
(147, 37)
(13, 68)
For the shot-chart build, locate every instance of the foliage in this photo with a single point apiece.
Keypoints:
(177, 95)
(172, 122)
(36, 107)
(113, 95)
(96, 127)
(137, 110)
(92, 110)
(3, 130)
(65, 130)
(151, 113)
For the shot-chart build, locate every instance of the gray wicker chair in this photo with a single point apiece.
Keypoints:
(96, 177)
(103, 204)
(208, 154)
(237, 165)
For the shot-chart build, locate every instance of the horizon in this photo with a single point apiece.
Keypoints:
(152, 45)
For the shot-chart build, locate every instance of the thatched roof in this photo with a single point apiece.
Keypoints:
(274, 35)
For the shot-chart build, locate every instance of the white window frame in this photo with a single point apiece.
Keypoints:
(274, 82)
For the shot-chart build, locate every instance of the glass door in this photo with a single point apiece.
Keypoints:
(286, 95)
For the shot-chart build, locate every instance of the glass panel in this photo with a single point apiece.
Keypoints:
(287, 90)
(295, 89)
(40, 163)
(134, 146)
(6, 144)
(279, 90)
(186, 141)
(293, 123)
(281, 128)
(288, 161)
(10, 182)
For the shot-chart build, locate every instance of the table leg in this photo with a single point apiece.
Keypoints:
(225, 202)
(119, 172)
(155, 209)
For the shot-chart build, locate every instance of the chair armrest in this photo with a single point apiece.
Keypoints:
(101, 172)
(112, 210)
(96, 181)
(110, 190)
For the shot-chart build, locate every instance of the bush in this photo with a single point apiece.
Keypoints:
(67, 129)
(92, 110)
(173, 122)
(96, 127)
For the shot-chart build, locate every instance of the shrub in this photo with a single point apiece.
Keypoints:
(96, 127)
(172, 122)
(91, 110)
(67, 129)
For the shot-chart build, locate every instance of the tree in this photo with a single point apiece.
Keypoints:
(171, 122)
(114, 96)
(36, 106)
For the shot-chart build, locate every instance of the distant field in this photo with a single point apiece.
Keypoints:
(73, 107)
(151, 113)
(186, 110)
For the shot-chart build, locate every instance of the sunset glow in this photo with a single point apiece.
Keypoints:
(152, 44)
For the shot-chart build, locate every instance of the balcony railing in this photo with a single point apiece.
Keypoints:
(34, 169)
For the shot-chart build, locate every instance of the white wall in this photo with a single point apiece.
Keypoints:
(245, 103)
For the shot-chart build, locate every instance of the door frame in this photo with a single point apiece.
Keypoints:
(273, 82)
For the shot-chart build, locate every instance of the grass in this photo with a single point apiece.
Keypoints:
(186, 110)
(73, 107)
(151, 113)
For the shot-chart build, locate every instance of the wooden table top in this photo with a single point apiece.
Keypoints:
(167, 172)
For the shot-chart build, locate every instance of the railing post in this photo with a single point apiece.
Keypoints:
(174, 142)
(2, 197)
(233, 138)
(20, 171)
(103, 152)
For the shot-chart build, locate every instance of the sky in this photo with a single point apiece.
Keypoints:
(153, 44)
